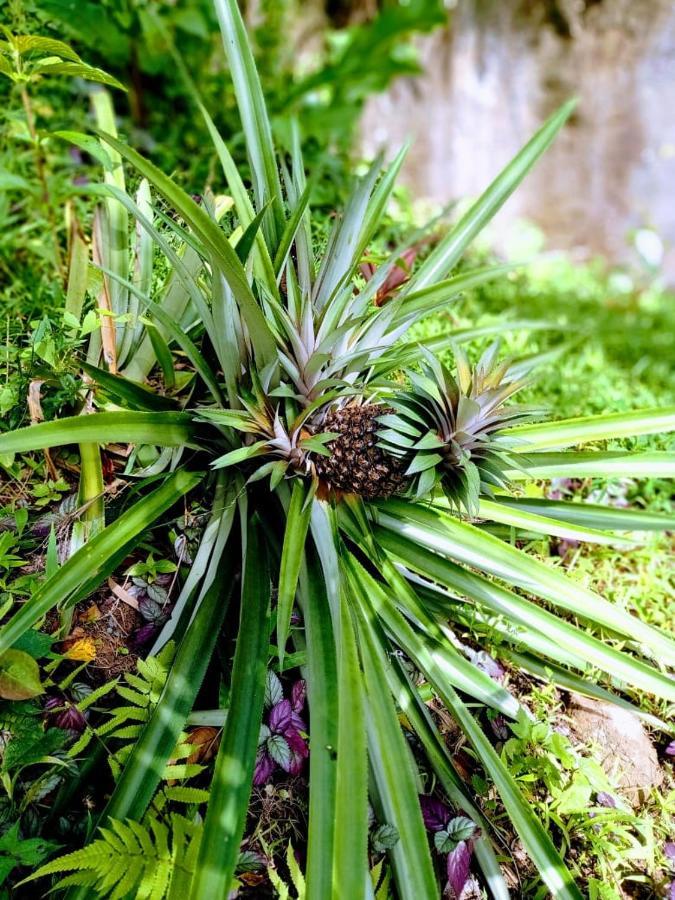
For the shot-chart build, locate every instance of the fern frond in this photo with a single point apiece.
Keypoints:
(130, 859)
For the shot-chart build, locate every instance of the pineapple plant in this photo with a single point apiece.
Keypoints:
(291, 358)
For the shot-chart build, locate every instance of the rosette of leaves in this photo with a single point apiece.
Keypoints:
(449, 429)
(275, 333)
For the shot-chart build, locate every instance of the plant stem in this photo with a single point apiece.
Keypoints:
(42, 175)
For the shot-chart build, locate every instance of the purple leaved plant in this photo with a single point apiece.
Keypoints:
(454, 836)
(61, 713)
(282, 743)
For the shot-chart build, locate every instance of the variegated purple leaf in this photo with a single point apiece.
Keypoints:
(280, 717)
(298, 723)
(296, 742)
(500, 728)
(435, 813)
(279, 750)
(264, 768)
(671, 892)
(669, 851)
(605, 799)
(459, 865)
(274, 692)
(670, 749)
(298, 695)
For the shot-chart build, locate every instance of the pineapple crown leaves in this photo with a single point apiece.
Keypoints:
(267, 432)
(447, 428)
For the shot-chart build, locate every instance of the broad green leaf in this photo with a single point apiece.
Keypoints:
(165, 429)
(19, 676)
(233, 771)
(89, 562)
(571, 432)
(81, 70)
(449, 251)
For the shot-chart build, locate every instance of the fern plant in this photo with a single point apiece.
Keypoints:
(124, 724)
(291, 361)
(149, 862)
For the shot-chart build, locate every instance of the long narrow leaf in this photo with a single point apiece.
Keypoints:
(571, 432)
(254, 120)
(467, 544)
(214, 239)
(322, 692)
(589, 464)
(233, 772)
(392, 769)
(450, 249)
(529, 615)
(351, 810)
(590, 515)
(165, 429)
(292, 553)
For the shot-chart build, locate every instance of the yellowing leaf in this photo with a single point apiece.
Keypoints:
(19, 676)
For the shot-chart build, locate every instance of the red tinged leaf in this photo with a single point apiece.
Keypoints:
(398, 276)
(435, 814)
(298, 695)
(264, 768)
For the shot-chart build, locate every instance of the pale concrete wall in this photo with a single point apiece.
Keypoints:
(500, 68)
